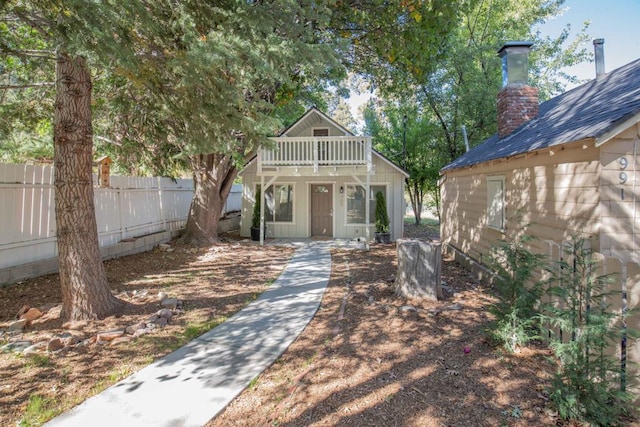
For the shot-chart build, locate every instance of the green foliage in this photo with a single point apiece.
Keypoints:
(382, 218)
(255, 218)
(587, 385)
(39, 410)
(517, 290)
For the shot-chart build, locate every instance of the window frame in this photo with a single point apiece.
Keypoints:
(372, 202)
(496, 218)
(266, 209)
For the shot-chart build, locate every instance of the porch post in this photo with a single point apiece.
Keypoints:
(262, 190)
(367, 210)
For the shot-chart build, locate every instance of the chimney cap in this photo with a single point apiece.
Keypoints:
(514, 46)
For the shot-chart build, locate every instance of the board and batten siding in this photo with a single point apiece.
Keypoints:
(619, 188)
(301, 225)
(556, 192)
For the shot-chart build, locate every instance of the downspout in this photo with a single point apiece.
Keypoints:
(635, 196)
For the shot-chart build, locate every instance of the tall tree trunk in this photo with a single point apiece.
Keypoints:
(85, 290)
(213, 177)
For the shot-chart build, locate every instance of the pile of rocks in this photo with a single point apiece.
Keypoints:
(170, 307)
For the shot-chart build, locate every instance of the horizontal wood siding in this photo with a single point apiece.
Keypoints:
(620, 219)
(383, 174)
(557, 193)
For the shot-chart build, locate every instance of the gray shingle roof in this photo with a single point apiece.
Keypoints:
(587, 111)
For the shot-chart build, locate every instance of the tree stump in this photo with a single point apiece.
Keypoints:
(419, 265)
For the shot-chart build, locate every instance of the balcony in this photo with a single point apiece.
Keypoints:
(316, 152)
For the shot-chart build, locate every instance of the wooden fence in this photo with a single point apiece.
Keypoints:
(130, 207)
(624, 281)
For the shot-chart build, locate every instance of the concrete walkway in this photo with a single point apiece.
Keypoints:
(191, 385)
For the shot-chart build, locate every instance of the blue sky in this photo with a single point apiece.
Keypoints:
(616, 21)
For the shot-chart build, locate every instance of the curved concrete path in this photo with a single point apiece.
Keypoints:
(191, 385)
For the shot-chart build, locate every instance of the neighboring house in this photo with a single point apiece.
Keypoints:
(567, 166)
(316, 177)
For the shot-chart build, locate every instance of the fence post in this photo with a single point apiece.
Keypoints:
(162, 216)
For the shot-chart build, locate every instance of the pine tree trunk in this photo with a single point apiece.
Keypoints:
(213, 178)
(85, 290)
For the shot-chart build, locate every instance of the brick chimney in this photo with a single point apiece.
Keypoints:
(517, 101)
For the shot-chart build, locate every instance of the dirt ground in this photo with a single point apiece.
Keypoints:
(368, 358)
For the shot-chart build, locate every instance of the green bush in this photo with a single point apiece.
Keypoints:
(255, 219)
(587, 385)
(382, 218)
(517, 292)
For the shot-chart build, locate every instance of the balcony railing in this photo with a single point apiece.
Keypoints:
(317, 151)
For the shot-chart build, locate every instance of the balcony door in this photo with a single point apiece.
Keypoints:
(321, 210)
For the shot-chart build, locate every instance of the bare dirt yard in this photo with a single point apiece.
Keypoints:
(368, 358)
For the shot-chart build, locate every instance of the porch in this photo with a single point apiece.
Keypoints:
(312, 154)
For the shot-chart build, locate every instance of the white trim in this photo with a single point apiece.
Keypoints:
(385, 184)
(491, 201)
(617, 129)
(390, 163)
(315, 128)
(293, 210)
(333, 185)
(315, 110)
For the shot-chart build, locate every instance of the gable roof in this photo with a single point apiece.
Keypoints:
(311, 112)
(591, 110)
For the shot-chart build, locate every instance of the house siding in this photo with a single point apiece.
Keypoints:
(384, 174)
(620, 220)
(556, 192)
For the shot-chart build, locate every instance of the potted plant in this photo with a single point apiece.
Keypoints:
(255, 219)
(382, 233)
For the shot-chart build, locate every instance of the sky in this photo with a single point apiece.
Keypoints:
(615, 21)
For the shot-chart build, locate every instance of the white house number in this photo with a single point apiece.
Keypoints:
(622, 176)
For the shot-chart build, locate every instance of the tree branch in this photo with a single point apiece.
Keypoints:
(27, 85)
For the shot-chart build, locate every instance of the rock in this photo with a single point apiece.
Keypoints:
(408, 308)
(170, 303)
(419, 265)
(31, 314)
(17, 346)
(109, 335)
(121, 340)
(17, 326)
(140, 294)
(164, 247)
(54, 345)
(53, 312)
(71, 341)
(75, 325)
(132, 329)
(455, 307)
(165, 313)
(162, 296)
(141, 332)
(22, 311)
(152, 318)
(161, 322)
(35, 348)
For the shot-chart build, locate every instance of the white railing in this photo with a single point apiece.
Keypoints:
(318, 151)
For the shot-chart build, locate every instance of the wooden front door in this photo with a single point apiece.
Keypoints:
(321, 210)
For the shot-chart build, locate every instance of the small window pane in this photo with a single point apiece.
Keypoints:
(279, 204)
(495, 202)
(356, 200)
(321, 189)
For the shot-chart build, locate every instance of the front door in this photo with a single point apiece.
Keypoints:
(321, 210)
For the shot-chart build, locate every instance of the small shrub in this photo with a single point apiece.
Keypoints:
(255, 219)
(586, 386)
(517, 291)
(382, 217)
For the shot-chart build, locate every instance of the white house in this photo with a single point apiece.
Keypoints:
(317, 174)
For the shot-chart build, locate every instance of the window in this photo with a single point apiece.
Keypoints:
(356, 203)
(278, 204)
(321, 132)
(495, 202)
